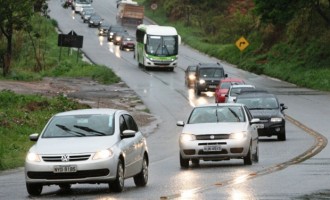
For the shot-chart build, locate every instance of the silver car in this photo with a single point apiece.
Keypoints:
(87, 146)
(216, 132)
(234, 90)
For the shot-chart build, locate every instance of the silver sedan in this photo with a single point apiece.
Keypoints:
(87, 146)
(216, 132)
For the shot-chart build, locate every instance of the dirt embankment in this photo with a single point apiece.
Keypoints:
(86, 91)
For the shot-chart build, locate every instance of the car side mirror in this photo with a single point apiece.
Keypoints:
(226, 75)
(283, 107)
(128, 134)
(34, 137)
(180, 123)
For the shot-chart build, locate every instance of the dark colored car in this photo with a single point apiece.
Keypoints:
(103, 29)
(190, 75)
(267, 108)
(95, 21)
(85, 15)
(118, 37)
(112, 30)
(208, 76)
(128, 42)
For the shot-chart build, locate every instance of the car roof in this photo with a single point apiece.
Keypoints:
(209, 65)
(255, 95)
(88, 111)
(219, 105)
(242, 86)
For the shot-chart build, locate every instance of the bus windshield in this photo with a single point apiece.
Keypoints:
(162, 45)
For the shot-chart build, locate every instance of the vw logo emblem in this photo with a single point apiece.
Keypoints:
(65, 158)
(212, 137)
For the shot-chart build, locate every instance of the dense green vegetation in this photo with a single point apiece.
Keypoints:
(34, 54)
(22, 115)
(289, 40)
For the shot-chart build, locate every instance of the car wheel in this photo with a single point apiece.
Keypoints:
(65, 186)
(118, 184)
(256, 155)
(34, 189)
(195, 161)
(282, 135)
(141, 178)
(248, 157)
(198, 92)
(184, 163)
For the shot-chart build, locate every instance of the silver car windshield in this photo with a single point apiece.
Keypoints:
(215, 114)
(79, 126)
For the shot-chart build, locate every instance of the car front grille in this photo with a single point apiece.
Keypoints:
(73, 175)
(69, 158)
(213, 137)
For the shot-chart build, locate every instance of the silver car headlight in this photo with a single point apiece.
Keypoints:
(106, 153)
(276, 119)
(202, 81)
(33, 157)
(238, 136)
(184, 137)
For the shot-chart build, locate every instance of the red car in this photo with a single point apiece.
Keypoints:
(222, 89)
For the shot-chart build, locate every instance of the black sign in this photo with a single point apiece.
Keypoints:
(70, 40)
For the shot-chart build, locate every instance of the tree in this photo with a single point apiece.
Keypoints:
(15, 15)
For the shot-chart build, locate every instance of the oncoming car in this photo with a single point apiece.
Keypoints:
(267, 108)
(190, 75)
(216, 132)
(87, 146)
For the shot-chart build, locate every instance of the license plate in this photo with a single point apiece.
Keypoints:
(65, 168)
(212, 86)
(130, 45)
(260, 126)
(212, 148)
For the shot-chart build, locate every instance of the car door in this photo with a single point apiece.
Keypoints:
(132, 151)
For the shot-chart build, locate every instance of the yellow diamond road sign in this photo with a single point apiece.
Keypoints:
(242, 43)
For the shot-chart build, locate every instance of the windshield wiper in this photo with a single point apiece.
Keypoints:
(66, 129)
(235, 114)
(85, 128)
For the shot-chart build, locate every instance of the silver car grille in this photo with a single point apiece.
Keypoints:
(65, 158)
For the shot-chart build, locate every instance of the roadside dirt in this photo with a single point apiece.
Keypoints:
(87, 91)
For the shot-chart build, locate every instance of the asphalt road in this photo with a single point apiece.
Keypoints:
(285, 169)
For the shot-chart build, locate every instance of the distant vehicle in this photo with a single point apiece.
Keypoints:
(234, 90)
(222, 88)
(128, 42)
(86, 14)
(118, 36)
(216, 132)
(190, 75)
(157, 46)
(95, 21)
(77, 5)
(208, 76)
(87, 146)
(103, 29)
(112, 30)
(129, 13)
(267, 108)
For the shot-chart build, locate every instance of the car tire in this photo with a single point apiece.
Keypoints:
(256, 155)
(184, 163)
(34, 189)
(118, 184)
(248, 158)
(141, 179)
(195, 161)
(282, 135)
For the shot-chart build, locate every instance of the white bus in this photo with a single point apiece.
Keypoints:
(77, 5)
(157, 46)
